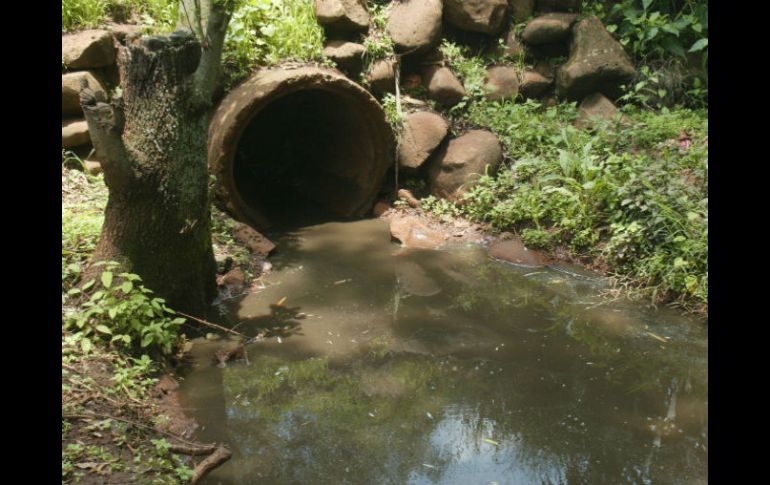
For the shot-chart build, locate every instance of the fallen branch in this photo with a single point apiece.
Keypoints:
(213, 325)
(193, 450)
(219, 456)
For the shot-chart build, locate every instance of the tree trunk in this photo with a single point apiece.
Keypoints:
(153, 143)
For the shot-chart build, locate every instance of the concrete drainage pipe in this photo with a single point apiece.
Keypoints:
(299, 145)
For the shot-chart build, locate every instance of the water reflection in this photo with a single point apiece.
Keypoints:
(446, 367)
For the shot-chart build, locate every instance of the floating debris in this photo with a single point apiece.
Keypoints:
(491, 442)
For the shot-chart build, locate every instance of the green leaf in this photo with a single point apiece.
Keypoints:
(107, 279)
(699, 45)
(673, 46)
(104, 329)
(74, 291)
(85, 345)
(112, 312)
(646, 4)
(88, 284)
(146, 340)
(126, 287)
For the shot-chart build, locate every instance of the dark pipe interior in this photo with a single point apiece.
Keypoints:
(298, 159)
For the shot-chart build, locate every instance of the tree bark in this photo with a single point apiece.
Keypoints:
(153, 143)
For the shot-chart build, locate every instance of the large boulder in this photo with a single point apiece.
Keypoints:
(558, 6)
(502, 83)
(597, 62)
(415, 25)
(443, 86)
(74, 132)
(534, 84)
(342, 15)
(423, 132)
(70, 90)
(458, 165)
(348, 56)
(87, 49)
(382, 77)
(484, 16)
(548, 29)
(521, 10)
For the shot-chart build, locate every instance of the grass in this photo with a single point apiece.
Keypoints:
(264, 32)
(156, 15)
(634, 198)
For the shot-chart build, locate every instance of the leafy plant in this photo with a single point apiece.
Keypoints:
(268, 32)
(119, 310)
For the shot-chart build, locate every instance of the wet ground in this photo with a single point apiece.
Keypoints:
(392, 366)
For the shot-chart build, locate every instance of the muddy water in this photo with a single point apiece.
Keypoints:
(392, 366)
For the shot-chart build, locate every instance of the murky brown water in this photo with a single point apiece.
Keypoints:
(394, 366)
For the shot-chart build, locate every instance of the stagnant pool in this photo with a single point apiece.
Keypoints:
(397, 366)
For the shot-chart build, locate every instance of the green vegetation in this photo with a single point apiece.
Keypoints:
(669, 42)
(155, 15)
(268, 32)
(633, 196)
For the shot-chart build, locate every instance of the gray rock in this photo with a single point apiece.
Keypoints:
(459, 164)
(70, 90)
(415, 25)
(348, 56)
(443, 86)
(548, 29)
(502, 83)
(513, 47)
(597, 62)
(342, 15)
(423, 132)
(74, 132)
(484, 16)
(87, 49)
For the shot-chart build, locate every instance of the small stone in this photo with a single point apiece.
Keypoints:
(70, 91)
(521, 10)
(382, 76)
(422, 133)
(502, 83)
(254, 241)
(381, 207)
(514, 251)
(548, 29)
(348, 56)
(534, 84)
(484, 16)
(460, 163)
(443, 86)
(74, 132)
(415, 26)
(342, 15)
(87, 49)
(595, 107)
(414, 233)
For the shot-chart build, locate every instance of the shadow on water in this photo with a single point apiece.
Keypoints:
(445, 367)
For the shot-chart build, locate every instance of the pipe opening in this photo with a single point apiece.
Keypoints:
(292, 147)
(300, 157)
